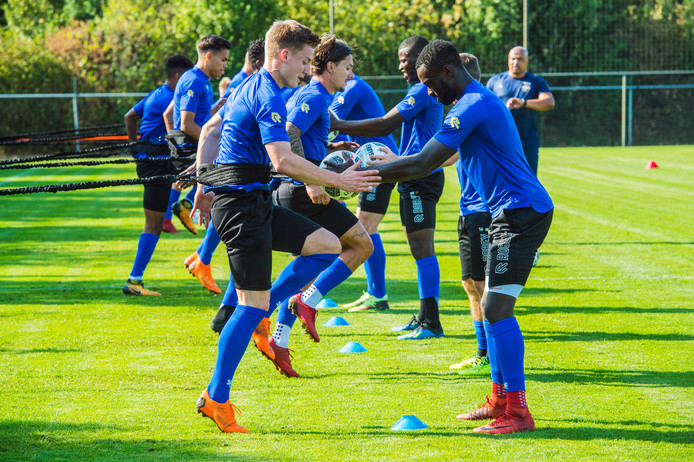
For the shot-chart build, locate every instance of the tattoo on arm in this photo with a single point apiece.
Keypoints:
(295, 140)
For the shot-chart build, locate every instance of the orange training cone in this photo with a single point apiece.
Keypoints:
(651, 164)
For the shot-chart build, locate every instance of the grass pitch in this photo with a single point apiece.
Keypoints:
(607, 316)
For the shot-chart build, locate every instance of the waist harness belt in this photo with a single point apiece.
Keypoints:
(237, 174)
(183, 149)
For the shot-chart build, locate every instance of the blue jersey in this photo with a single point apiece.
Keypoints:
(235, 82)
(529, 86)
(470, 200)
(482, 130)
(423, 116)
(308, 110)
(193, 93)
(151, 109)
(288, 92)
(255, 117)
(359, 101)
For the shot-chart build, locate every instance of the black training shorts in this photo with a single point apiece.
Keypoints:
(156, 196)
(252, 227)
(473, 240)
(333, 216)
(376, 200)
(514, 237)
(418, 199)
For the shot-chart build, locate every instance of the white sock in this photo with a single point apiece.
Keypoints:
(281, 335)
(311, 296)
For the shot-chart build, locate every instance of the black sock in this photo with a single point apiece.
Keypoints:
(429, 312)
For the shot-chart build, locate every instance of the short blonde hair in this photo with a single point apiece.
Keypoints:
(288, 34)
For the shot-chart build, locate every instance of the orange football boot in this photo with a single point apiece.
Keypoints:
(222, 414)
(190, 259)
(204, 274)
(260, 339)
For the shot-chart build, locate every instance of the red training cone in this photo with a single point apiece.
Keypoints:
(651, 164)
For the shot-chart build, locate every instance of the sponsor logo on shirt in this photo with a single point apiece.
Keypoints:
(341, 99)
(191, 93)
(276, 117)
(410, 101)
(525, 87)
(304, 107)
(455, 123)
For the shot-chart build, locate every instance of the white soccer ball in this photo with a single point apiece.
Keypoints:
(337, 158)
(365, 152)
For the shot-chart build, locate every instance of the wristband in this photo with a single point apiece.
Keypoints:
(525, 102)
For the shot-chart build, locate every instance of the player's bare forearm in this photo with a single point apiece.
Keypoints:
(431, 157)
(131, 119)
(295, 140)
(168, 117)
(208, 144)
(188, 125)
(378, 126)
(544, 102)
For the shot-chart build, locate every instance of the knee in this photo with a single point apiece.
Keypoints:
(323, 241)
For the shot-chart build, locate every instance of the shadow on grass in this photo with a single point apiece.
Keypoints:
(612, 377)
(551, 336)
(599, 309)
(40, 440)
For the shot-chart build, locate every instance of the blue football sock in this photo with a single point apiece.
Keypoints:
(510, 351)
(375, 267)
(296, 275)
(233, 341)
(208, 245)
(480, 334)
(285, 315)
(191, 194)
(332, 277)
(497, 376)
(173, 198)
(230, 298)
(428, 277)
(145, 249)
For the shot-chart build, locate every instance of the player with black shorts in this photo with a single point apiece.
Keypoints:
(252, 137)
(420, 117)
(482, 131)
(359, 101)
(156, 196)
(308, 125)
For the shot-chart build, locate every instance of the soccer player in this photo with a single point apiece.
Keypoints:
(253, 136)
(156, 196)
(308, 125)
(420, 116)
(191, 108)
(524, 94)
(482, 130)
(473, 243)
(198, 263)
(359, 101)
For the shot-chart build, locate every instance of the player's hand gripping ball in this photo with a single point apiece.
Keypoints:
(367, 150)
(338, 162)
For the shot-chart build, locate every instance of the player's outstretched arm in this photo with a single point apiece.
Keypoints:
(430, 158)
(287, 163)
(378, 126)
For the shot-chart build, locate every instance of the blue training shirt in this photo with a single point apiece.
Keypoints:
(308, 110)
(470, 200)
(193, 93)
(505, 86)
(255, 117)
(151, 110)
(359, 101)
(423, 115)
(235, 82)
(481, 128)
(288, 92)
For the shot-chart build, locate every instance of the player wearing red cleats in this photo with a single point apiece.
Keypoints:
(190, 259)
(306, 315)
(260, 339)
(222, 414)
(282, 360)
(169, 227)
(491, 409)
(204, 274)
(514, 420)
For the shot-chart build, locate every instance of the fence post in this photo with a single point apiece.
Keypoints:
(75, 115)
(624, 110)
(331, 8)
(630, 115)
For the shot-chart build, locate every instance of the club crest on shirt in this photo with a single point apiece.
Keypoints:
(341, 99)
(276, 117)
(525, 87)
(410, 101)
(191, 93)
(304, 107)
(455, 123)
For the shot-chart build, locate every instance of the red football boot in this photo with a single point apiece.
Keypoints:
(306, 315)
(283, 359)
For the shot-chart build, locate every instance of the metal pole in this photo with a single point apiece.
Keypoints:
(75, 115)
(624, 110)
(525, 24)
(331, 6)
(630, 124)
